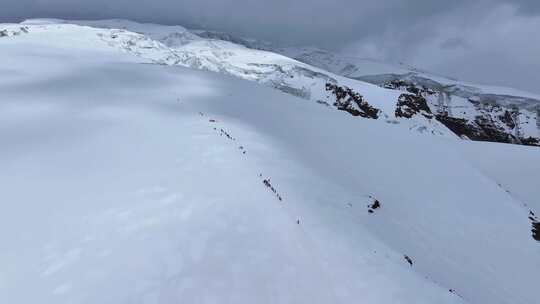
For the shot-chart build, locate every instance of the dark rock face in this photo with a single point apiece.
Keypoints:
(536, 231)
(374, 206)
(535, 226)
(409, 105)
(457, 125)
(481, 129)
(403, 85)
(488, 131)
(13, 32)
(492, 129)
(530, 141)
(488, 125)
(508, 119)
(352, 102)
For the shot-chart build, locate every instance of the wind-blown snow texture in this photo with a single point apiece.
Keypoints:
(125, 181)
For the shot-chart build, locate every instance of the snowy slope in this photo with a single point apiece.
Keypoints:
(132, 182)
(507, 165)
(150, 41)
(451, 108)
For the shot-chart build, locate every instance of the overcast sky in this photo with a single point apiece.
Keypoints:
(485, 41)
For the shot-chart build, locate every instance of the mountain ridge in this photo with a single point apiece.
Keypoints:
(478, 98)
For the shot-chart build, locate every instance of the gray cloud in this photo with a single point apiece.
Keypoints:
(476, 40)
(454, 43)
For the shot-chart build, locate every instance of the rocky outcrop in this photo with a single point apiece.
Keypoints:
(13, 31)
(375, 204)
(530, 141)
(409, 105)
(489, 131)
(351, 102)
(476, 120)
(536, 230)
(480, 129)
(402, 85)
(535, 222)
(508, 119)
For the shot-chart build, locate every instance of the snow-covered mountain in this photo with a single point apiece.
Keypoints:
(434, 104)
(174, 45)
(473, 111)
(131, 177)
